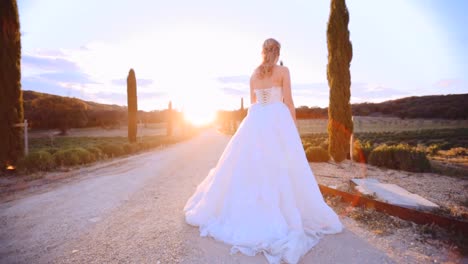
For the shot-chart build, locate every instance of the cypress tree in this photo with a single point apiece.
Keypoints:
(340, 53)
(132, 106)
(11, 97)
(170, 117)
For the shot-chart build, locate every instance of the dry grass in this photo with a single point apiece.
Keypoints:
(450, 193)
(425, 240)
(157, 129)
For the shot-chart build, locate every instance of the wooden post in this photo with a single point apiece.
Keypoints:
(26, 146)
(351, 141)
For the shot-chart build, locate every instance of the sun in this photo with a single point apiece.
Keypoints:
(199, 117)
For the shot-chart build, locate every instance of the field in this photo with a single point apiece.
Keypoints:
(49, 151)
(157, 129)
(444, 142)
(382, 124)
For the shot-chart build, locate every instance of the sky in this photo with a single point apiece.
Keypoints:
(200, 54)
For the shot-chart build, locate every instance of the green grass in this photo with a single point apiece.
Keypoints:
(436, 144)
(46, 154)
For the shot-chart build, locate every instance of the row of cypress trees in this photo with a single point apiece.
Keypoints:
(340, 124)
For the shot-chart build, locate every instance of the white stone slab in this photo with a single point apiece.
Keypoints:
(393, 194)
(364, 181)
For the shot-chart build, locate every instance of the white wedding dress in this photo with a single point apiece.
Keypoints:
(262, 195)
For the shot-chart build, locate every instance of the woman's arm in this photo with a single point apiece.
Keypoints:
(288, 100)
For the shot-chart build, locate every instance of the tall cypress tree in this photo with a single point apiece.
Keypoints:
(11, 97)
(340, 53)
(132, 106)
(170, 117)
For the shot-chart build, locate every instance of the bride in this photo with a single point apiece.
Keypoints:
(262, 197)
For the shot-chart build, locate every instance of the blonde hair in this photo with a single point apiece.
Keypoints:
(270, 51)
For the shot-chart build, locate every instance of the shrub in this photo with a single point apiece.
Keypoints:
(51, 150)
(39, 160)
(129, 148)
(96, 152)
(361, 151)
(84, 155)
(306, 144)
(317, 154)
(457, 152)
(73, 156)
(324, 145)
(400, 157)
(111, 150)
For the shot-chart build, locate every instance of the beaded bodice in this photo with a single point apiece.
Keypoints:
(269, 95)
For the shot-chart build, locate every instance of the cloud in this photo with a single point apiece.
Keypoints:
(449, 83)
(67, 77)
(370, 92)
(244, 79)
(121, 98)
(49, 63)
(45, 86)
(233, 91)
(317, 94)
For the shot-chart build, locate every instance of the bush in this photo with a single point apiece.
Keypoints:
(457, 152)
(96, 152)
(73, 156)
(129, 148)
(306, 145)
(143, 145)
(324, 145)
(400, 157)
(40, 160)
(51, 150)
(317, 154)
(84, 155)
(361, 151)
(111, 150)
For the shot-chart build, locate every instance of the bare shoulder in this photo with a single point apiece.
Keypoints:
(254, 74)
(283, 70)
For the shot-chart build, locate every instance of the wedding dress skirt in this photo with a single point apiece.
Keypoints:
(262, 195)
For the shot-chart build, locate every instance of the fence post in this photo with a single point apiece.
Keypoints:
(351, 139)
(26, 146)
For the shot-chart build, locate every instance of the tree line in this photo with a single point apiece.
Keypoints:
(452, 106)
(46, 111)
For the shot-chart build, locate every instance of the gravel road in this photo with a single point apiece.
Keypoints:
(131, 212)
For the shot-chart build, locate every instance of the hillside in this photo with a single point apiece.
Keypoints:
(48, 111)
(452, 106)
(29, 96)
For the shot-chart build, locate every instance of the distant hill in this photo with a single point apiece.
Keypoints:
(452, 106)
(48, 111)
(29, 96)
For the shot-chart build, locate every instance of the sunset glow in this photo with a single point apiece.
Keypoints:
(211, 48)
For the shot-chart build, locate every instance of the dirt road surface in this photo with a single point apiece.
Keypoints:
(131, 212)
